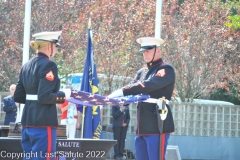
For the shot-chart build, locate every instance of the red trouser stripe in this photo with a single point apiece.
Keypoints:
(49, 145)
(163, 143)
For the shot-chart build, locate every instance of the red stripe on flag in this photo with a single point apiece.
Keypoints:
(49, 145)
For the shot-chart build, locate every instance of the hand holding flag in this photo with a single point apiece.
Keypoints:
(89, 99)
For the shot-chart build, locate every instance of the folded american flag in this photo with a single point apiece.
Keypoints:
(89, 99)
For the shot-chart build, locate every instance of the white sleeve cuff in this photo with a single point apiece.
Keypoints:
(117, 93)
(67, 93)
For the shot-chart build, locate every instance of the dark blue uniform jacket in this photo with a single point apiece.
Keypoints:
(157, 80)
(39, 76)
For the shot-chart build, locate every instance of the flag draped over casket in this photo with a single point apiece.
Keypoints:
(89, 99)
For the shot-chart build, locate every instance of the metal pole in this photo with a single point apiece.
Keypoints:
(26, 37)
(83, 120)
(26, 40)
(158, 20)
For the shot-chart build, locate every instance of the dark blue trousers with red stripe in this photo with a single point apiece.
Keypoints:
(147, 147)
(39, 143)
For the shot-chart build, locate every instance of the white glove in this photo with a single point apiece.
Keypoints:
(117, 93)
(67, 93)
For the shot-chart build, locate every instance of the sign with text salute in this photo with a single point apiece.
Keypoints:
(66, 149)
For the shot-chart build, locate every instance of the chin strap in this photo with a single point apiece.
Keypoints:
(154, 54)
(51, 49)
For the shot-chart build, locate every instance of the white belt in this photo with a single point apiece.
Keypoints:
(32, 97)
(154, 100)
(163, 112)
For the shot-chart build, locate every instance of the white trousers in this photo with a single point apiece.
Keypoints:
(70, 128)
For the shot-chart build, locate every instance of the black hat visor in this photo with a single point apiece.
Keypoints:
(52, 41)
(56, 42)
(143, 48)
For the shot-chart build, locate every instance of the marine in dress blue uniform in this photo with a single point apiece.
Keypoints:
(121, 118)
(38, 88)
(156, 80)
